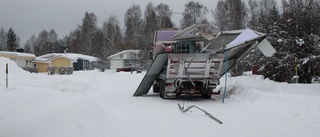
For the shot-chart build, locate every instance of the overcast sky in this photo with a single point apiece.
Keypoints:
(27, 17)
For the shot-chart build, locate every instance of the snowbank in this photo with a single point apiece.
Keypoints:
(264, 95)
(16, 75)
(92, 103)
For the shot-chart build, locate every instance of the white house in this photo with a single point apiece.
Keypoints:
(123, 59)
(22, 59)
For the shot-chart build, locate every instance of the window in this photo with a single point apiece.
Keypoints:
(186, 47)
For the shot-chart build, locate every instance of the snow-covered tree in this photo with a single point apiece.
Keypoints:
(295, 36)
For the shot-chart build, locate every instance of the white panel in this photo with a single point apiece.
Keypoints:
(184, 32)
(266, 48)
(246, 35)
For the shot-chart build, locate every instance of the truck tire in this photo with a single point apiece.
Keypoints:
(161, 88)
(156, 87)
(207, 94)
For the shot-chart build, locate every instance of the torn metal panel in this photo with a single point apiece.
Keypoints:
(266, 48)
(152, 73)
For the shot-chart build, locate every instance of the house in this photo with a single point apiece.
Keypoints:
(23, 60)
(64, 63)
(123, 60)
(84, 62)
(52, 62)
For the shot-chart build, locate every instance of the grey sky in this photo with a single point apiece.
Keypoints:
(28, 17)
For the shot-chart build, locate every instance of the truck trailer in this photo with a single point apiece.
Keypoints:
(191, 62)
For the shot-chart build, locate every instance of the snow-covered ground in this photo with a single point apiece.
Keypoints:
(100, 104)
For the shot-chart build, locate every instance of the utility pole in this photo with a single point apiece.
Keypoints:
(296, 77)
(7, 75)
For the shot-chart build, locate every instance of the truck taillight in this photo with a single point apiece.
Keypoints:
(169, 84)
(174, 60)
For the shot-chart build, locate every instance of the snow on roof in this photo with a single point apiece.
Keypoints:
(81, 56)
(18, 54)
(245, 35)
(71, 56)
(123, 52)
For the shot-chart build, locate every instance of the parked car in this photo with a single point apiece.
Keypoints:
(125, 69)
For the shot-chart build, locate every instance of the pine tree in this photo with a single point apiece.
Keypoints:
(12, 43)
(295, 38)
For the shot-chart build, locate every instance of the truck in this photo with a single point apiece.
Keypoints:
(191, 62)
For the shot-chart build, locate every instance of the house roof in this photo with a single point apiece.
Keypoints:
(123, 52)
(81, 56)
(17, 54)
(70, 56)
(165, 35)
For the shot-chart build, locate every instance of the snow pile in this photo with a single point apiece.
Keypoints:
(264, 95)
(12, 66)
(14, 73)
(93, 103)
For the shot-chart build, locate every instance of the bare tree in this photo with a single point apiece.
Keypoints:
(46, 42)
(28, 47)
(194, 12)
(88, 30)
(221, 15)
(3, 38)
(111, 37)
(150, 23)
(253, 13)
(74, 41)
(133, 23)
(230, 14)
(163, 13)
(113, 32)
(53, 42)
(30, 44)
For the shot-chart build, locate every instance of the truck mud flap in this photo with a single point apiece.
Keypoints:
(152, 73)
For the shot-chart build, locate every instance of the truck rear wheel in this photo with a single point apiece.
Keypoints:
(155, 86)
(162, 88)
(207, 94)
